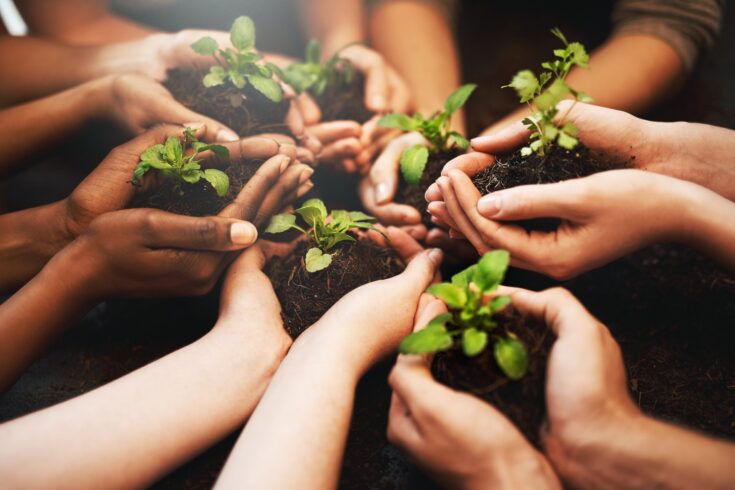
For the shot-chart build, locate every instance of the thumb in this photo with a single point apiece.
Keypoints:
(531, 201)
(211, 233)
(384, 173)
(421, 270)
(502, 141)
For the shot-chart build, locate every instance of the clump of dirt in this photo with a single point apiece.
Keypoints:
(414, 195)
(306, 296)
(522, 401)
(198, 199)
(345, 101)
(246, 111)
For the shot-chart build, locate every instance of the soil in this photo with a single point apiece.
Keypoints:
(306, 296)
(345, 102)
(246, 111)
(413, 195)
(521, 401)
(198, 199)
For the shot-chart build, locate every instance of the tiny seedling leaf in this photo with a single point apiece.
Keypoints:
(317, 260)
(267, 87)
(525, 84)
(242, 33)
(413, 162)
(206, 46)
(458, 98)
(473, 341)
(512, 357)
(397, 121)
(433, 338)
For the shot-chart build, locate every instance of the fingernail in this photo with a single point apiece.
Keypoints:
(226, 135)
(481, 139)
(305, 175)
(382, 193)
(285, 163)
(429, 190)
(243, 233)
(435, 255)
(377, 101)
(489, 205)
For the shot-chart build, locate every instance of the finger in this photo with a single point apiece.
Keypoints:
(369, 131)
(559, 309)
(280, 138)
(311, 144)
(252, 147)
(420, 271)
(433, 193)
(329, 132)
(403, 243)
(458, 250)
(400, 97)
(503, 141)
(417, 232)
(469, 163)
(212, 233)
(248, 200)
(308, 108)
(461, 221)
(294, 121)
(376, 146)
(439, 211)
(384, 174)
(390, 213)
(341, 149)
(558, 200)
(304, 155)
(402, 431)
(289, 182)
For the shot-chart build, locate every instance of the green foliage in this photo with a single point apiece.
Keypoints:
(325, 233)
(171, 161)
(241, 64)
(544, 92)
(436, 130)
(470, 319)
(314, 76)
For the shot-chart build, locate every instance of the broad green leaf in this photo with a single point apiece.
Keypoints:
(491, 270)
(189, 166)
(311, 215)
(458, 98)
(566, 141)
(237, 78)
(206, 46)
(317, 260)
(452, 295)
(525, 84)
(216, 76)
(473, 341)
(463, 278)
(512, 357)
(281, 222)
(219, 150)
(155, 157)
(267, 87)
(174, 152)
(360, 216)
(433, 338)
(242, 33)
(413, 162)
(340, 219)
(316, 203)
(313, 52)
(338, 237)
(192, 176)
(219, 180)
(397, 121)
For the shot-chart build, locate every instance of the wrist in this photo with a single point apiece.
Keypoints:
(520, 467)
(328, 346)
(73, 273)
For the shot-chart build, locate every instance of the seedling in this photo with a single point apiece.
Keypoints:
(470, 319)
(313, 76)
(436, 130)
(324, 233)
(171, 161)
(542, 94)
(241, 64)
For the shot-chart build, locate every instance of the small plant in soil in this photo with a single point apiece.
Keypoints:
(324, 233)
(421, 165)
(240, 89)
(171, 162)
(335, 84)
(470, 320)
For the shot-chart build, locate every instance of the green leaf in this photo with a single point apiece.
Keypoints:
(570, 129)
(512, 357)
(579, 55)
(498, 303)
(267, 87)
(192, 176)
(464, 278)
(340, 219)
(582, 97)
(473, 341)
(206, 46)
(242, 33)
(311, 215)
(360, 216)
(566, 141)
(276, 69)
(216, 76)
(398, 121)
(555, 31)
(281, 222)
(336, 238)
(154, 156)
(452, 295)
(491, 270)
(219, 150)
(174, 152)
(525, 84)
(460, 140)
(458, 98)
(552, 95)
(139, 171)
(237, 78)
(317, 260)
(219, 180)
(313, 52)
(413, 162)
(433, 338)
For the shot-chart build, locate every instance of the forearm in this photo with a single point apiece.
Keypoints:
(129, 433)
(426, 57)
(300, 424)
(30, 239)
(652, 454)
(335, 23)
(41, 124)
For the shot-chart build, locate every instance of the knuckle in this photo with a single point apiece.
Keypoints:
(206, 231)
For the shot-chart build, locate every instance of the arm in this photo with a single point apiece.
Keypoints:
(597, 437)
(173, 408)
(301, 423)
(335, 23)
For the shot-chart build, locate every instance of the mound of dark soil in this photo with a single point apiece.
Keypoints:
(345, 102)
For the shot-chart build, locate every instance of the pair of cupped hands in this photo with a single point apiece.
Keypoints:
(139, 100)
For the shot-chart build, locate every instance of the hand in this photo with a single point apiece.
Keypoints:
(603, 217)
(374, 332)
(462, 441)
(379, 188)
(137, 102)
(108, 187)
(340, 143)
(587, 398)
